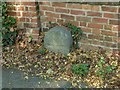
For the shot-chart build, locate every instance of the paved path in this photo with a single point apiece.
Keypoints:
(12, 78)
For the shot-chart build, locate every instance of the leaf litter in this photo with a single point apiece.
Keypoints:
(58, 66)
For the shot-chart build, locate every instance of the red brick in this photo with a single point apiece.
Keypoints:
(50, 19)
(10, 8)
(17, 2)
(69, 17)
(98, 37)
(85, 19)
(32, 8)
(116, 39)
(28, 3)
(72, 22)
(91, 36)
(14, 3)
(21, 8)
(58, 4)
(82, 23)
(47, 8)
(96, 42)
(11, 3)
(93, 25)
(88, 7)
(14, 13)
(72, 5)
(51, 14)
(94, 14)
(34, 20)
(62, 10)
(27, 19)
(28, 14)
(108, 27)
(60, 21)
(96, 31)
(114, 22)
(95, 7)
(21, 19)
(91, 7)
(109, 9)
(108, 33)
(44, 3)
(77, 12)
(100, 20)
(109, 44)
(85, 29)
(109, 15)
(116, 28)
(84, 41)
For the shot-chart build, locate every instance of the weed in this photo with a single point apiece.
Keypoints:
(102, 71)
(81, 69)
(42, 51)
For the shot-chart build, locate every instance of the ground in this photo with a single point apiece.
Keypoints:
(32, 59)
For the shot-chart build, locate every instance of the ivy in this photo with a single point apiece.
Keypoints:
(9, 33)
(76, 34)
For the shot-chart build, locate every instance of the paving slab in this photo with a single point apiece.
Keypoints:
(13, 78)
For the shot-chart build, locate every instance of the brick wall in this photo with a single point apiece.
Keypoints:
(100, 24)
(27, 16)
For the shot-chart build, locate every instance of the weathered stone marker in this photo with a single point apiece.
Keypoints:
(58, 39)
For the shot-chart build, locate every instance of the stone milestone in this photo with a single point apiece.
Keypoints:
(58, 39)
